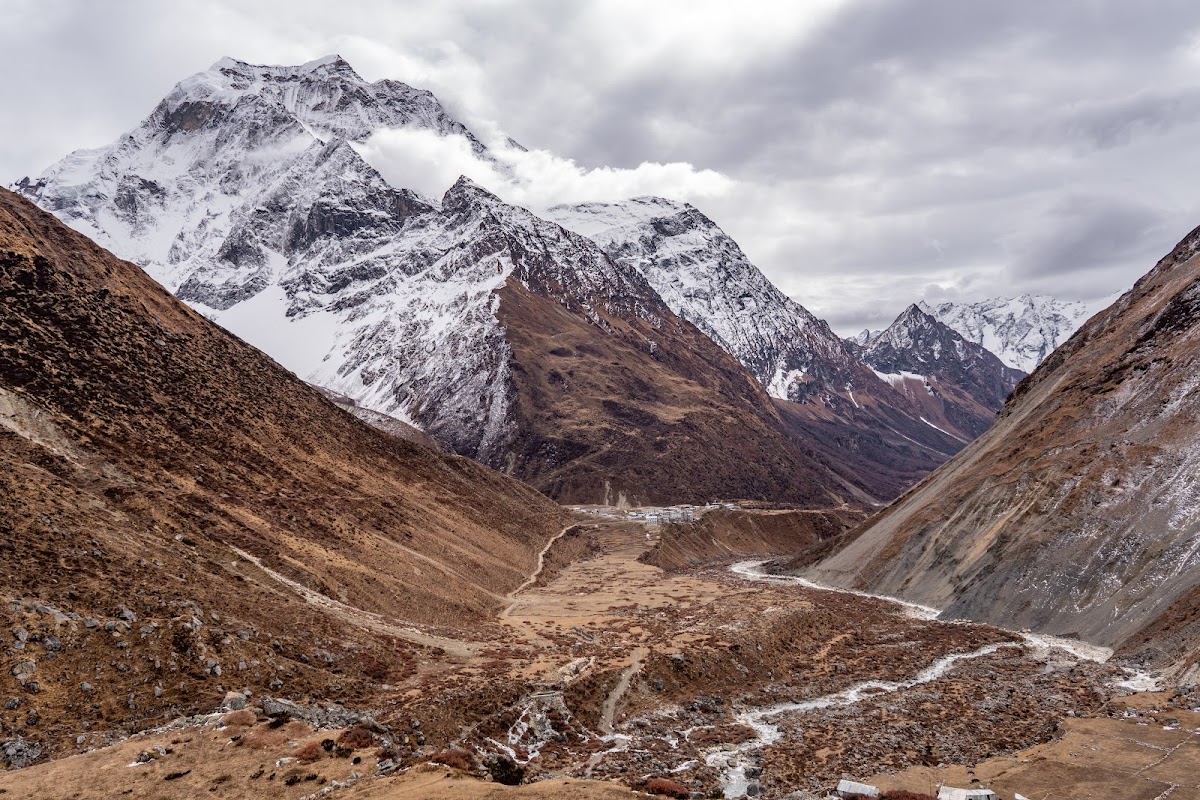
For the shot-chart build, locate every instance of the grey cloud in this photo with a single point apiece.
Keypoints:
(1082, 232)
(1118, 122)
(891, 147)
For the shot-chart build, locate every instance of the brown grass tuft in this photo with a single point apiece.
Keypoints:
(666, 787)
(310, 751)
(458, 759)
(243, 717)
(358, 737)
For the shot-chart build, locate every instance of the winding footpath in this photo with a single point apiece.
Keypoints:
(537, 572)
(369, 620)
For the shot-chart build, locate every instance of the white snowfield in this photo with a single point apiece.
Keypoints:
(1022, 330)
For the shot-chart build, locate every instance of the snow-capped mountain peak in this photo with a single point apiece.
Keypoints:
(1021, 330)
(516, 340)
(969, 383)
(180, 194)
(704, 277)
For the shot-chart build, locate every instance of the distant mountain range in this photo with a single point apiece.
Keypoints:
(958, 383)
(601, 350)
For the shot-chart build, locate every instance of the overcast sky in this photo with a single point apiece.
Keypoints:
(865, 154)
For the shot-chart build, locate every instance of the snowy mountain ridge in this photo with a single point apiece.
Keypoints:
(704, 277)
(1021, 330)
(967, 383)
(220, 149)
(242, 193)
(514, 339)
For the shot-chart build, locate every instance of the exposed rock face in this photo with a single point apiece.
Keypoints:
(704, 277)
(954, 384)
(1078, 511)
(154, 468)
(610, 392)
(867, 431)
(1020, 331)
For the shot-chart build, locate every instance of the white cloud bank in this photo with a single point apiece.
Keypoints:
(429, 163)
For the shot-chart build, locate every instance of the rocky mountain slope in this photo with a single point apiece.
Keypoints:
(859, 424)
(954, 384)
(168, 494)
(265, 218)
(514, 341)
(703, 275)
(1021, 331)
(1078, 511)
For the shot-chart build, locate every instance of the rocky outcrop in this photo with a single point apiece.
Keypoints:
(952, 384)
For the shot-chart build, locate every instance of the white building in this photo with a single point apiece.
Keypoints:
(847, 788)
(948, 793)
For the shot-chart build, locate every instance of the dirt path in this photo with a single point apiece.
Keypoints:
(541, 564)
(456, 648)
(609, 710)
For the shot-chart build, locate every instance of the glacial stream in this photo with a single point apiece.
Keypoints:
(737, 764)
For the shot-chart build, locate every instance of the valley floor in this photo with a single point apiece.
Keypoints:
(724, 682)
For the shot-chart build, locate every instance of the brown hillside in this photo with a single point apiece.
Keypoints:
(148, 459)
(604, 418)
(1078, 511)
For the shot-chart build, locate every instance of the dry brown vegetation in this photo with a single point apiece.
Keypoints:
(144, 451)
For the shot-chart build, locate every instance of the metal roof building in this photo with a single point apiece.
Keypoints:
(948, 793)
(847, 788)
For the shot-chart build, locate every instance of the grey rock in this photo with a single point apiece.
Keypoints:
(234, 701)
(126, 615)
(90, 622)
(85, 686)
(274, 707)
(19, 753)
